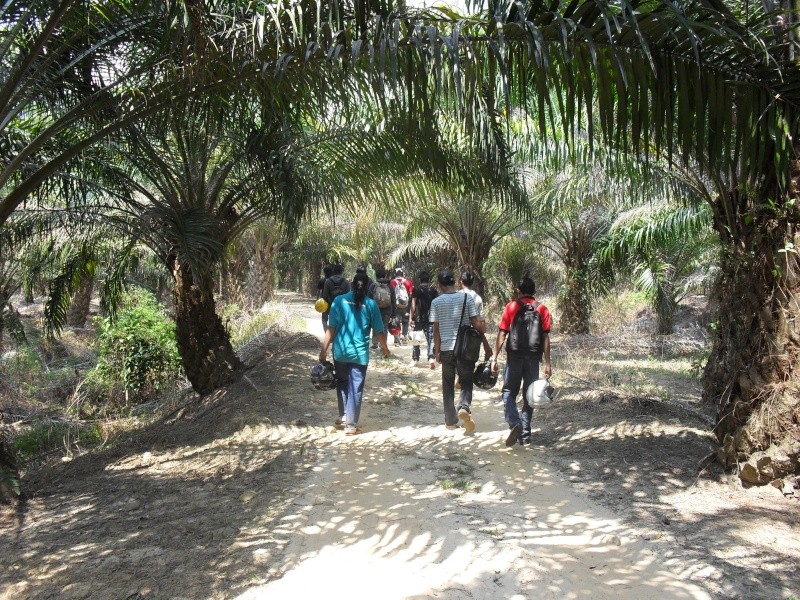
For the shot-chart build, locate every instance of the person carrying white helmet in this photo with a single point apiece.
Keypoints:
(525, 330)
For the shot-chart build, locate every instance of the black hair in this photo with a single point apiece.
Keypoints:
(360, 284)
(380, 273)
(361, 269)
(338, 269)
(328, 270)
(526, 285)
(445, 277)
(467, 278)
(424, 277)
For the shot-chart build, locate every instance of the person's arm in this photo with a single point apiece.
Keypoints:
(487, 348)
(411, 312)
(326, 342)
(498, 345)
(384, 346)
(327, 288)
(393, 297)
(437, 341)
(548, 367)
(478, 323)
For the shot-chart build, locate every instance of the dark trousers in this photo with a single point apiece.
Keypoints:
(450, 368)
(519, 370)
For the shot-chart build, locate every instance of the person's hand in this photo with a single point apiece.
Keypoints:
(548, 370)
(494, 366)
(323, 356)
(386, 352)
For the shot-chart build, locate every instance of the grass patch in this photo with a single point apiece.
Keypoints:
(461, 485)
(44, 437)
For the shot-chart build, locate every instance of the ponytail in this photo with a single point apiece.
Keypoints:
(359, 285)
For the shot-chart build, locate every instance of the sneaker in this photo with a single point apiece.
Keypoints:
(374, 346)
(352, 431)
(513, 435)
(466, 420)
(413, 363)
(456, 426)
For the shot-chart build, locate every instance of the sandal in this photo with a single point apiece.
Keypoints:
(339, 423)
(355, 431)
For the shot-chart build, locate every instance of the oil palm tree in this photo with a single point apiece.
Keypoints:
(694, 79)
(468, 226)
(660, 248)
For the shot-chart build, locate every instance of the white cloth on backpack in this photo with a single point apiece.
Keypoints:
(401, 292)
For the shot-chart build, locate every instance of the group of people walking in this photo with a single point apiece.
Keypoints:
(360, 314)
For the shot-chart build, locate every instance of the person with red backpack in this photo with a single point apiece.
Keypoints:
(525, 330)
(403, 288)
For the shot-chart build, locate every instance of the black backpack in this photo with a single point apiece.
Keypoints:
(339, 287)
(424, 299)
(526, 335)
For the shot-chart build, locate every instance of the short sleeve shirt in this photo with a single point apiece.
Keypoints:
(353, 328)
(511, 309)
(477, 300)
(446, 310)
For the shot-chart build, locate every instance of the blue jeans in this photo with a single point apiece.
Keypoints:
(428, 329)
(350, 390)
(450, 367)
(519, 370)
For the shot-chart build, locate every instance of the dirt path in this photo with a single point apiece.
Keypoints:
(250, 494)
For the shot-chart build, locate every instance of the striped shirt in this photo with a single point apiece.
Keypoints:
(446, 310)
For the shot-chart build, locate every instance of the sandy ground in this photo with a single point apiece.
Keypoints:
(251, 494)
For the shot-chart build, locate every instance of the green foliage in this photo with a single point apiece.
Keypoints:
(510, 258)
(40, 375)
(137, 349)
(48, 436)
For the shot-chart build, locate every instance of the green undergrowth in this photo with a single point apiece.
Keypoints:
(43, 437)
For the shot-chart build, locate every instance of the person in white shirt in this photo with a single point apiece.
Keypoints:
(467, 280)
(449, 310)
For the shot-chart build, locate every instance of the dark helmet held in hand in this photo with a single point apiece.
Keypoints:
(483, 376)
(323, 376)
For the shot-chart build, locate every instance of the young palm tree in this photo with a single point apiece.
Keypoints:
(659, 248)
(469, 226)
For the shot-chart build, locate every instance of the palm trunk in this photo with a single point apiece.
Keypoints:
(751, 377)
(574, 301)
(78, 310)
(206, 352)
(9, 475)
(259, 281)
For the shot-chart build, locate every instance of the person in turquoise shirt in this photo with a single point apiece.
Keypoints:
(353, 317)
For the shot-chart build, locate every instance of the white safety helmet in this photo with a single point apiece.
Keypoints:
(540, 393)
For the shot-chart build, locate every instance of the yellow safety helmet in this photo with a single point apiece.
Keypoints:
(320, 305)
